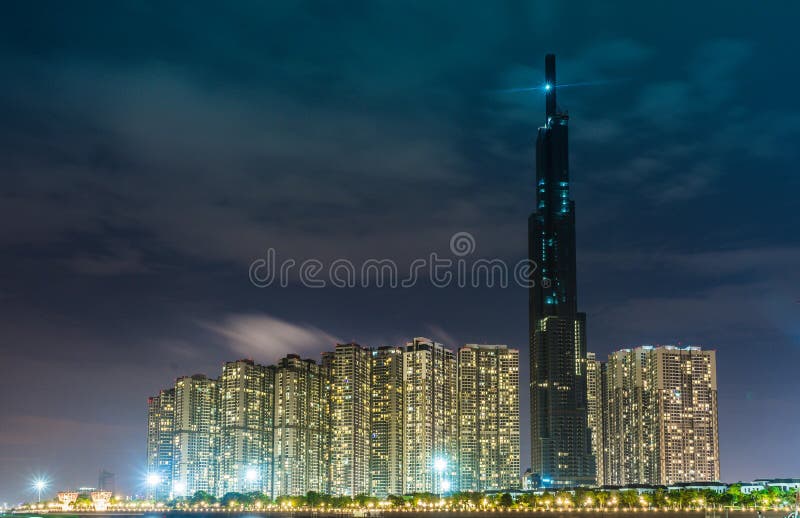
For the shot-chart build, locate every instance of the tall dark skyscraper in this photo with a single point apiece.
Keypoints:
(561, 442)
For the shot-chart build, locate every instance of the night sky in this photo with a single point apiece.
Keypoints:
(149, 152)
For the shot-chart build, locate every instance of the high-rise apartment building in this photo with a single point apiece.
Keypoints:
(301, 427)
(594, 408)
(160, 434)
(561, 450)
(350, 393)
(488, 418)
(245, 420)
(430, 447)
(196, 438)
(660, 416)
(385, 421)
(386, 445)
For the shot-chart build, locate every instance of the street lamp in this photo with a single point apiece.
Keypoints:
(251, 475)
(179, 488)
(440, 465)
(39, 484)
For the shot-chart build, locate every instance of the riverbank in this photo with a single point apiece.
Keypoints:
(417, 513)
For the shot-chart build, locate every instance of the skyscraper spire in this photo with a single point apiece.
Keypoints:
(550, 84)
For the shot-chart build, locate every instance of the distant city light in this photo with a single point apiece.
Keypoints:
(251, 475)
(153, 479)
(439, 464)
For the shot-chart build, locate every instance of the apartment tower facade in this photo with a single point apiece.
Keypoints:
(488, 418)
(660, 416)
(196, 437)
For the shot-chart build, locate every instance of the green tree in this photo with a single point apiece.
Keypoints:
(527, 500)
(285, 500)
(202, 497)
(365, 500)
(396, 500)
(659, 498)
(83, 501)
(582, 496)
(476, 498)
(314, 499)
(234, 499)
(733, 495)
(341, 502)
(629, 499)
(506, 500)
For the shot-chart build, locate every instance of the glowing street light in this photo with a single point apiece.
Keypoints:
(251, 475)
(440, 466)
(153, 479)
(39, 484)
(179, 488)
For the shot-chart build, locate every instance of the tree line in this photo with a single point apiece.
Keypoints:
(581, 498)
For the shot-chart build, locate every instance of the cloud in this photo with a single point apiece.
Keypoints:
(686, 186)
(601, 58)
(440, 334)
(220, 178)
(267, 338)
(720, 297)
(716, 68)
(121, 260)
(596, 130)
(665, 104)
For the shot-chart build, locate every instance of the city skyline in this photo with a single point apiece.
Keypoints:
(152, 153)
(423, 418)
(418, 418)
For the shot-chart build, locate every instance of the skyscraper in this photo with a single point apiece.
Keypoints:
(594, 410)
(430, 447)
(160, 433)
(245, 414)
(386, 445)
(660, 412)
(561, 443)
(301, 427)
(107, 481)
(196, 445)
(350, 420)
(488, 418)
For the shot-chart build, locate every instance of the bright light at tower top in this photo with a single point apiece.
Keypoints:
(39, 484)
